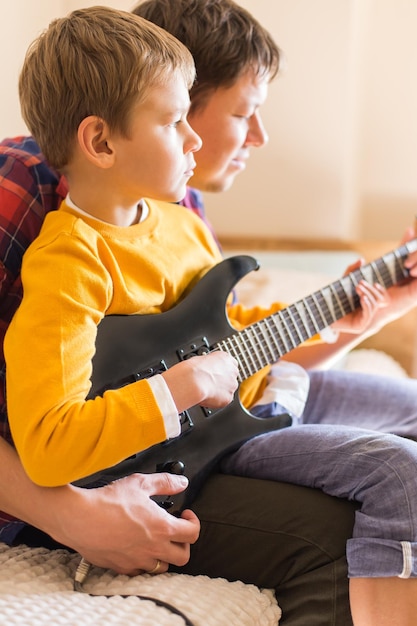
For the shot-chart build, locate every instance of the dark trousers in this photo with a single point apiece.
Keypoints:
(280, 536)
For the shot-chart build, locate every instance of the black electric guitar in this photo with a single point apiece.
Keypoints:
(130, 348)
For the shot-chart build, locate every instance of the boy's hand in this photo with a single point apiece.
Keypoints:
(209, 380)
(119, 527)
(372, 298)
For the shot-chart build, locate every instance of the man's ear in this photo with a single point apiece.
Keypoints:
(94, 141)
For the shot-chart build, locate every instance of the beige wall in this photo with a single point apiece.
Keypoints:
(342, 156)
(388, 155)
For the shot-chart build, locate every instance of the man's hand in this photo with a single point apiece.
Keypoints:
(403, 296)
(391, 304)
(371, 297)
(119, 527)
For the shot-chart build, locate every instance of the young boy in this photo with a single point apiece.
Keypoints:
(102, 260)
(136, 143)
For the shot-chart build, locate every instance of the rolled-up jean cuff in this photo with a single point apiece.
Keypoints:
(381, 558)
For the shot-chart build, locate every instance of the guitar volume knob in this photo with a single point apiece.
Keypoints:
(173, 467)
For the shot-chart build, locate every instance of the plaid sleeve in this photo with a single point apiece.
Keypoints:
(29, 189)
(193, 200)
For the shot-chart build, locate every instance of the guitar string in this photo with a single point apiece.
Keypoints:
(258, 345)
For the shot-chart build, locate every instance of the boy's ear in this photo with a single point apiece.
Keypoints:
(94, 141)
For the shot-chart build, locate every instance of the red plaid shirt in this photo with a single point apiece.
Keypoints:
(29, 189)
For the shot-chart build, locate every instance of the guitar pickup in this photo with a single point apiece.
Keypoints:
(196, 347)
(158, 368)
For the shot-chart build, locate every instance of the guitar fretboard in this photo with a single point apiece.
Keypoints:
(264, 342)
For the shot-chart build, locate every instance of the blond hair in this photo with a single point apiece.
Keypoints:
(96, 61)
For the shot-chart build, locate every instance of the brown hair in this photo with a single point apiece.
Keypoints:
(96, 61)
(224, 39)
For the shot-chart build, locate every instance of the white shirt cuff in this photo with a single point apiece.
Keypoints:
(166, 404)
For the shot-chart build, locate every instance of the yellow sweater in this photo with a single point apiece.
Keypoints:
(77, 271)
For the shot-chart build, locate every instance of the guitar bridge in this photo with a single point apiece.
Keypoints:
(158, 368)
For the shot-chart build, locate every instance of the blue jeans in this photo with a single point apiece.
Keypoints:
(376, 402)
(381, 403)
(377, 470)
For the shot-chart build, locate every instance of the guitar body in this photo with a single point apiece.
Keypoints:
(130, 348)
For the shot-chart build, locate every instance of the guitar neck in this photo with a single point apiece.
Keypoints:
(264, 342)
